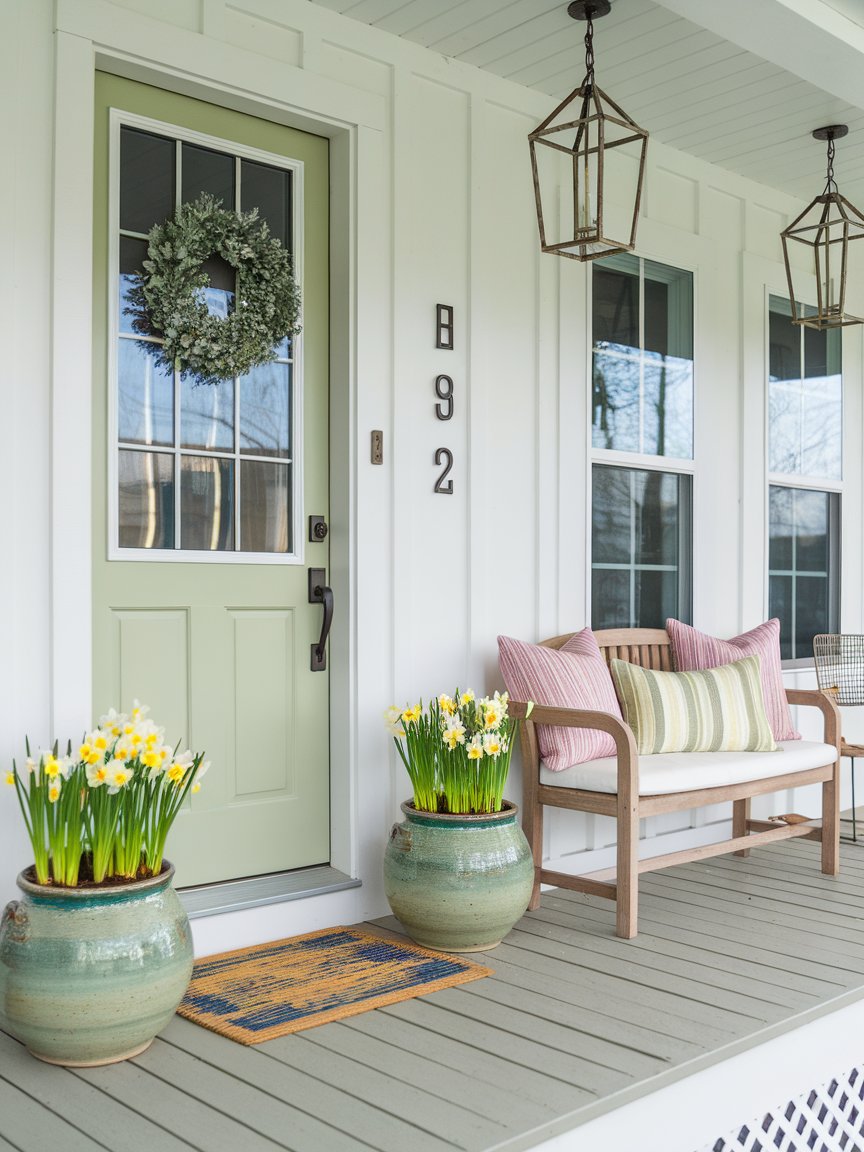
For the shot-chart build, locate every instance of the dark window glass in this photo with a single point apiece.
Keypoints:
(668, 311)
(268, 190)
(207, 503)
(146, 499)
(641, 531)
(615, 307)
(656, 317)
(147, 179)
(780, 600)
(803, 558)
(207, 171)
(610, 598)
(784, 342)
(265, 506)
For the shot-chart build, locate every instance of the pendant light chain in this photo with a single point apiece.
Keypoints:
(832, 183)
(589, 55)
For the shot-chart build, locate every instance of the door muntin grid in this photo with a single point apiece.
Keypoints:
(200, 472)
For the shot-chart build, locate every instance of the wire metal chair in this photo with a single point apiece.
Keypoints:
(839, 663)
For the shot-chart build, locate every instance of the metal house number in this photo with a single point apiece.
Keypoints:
(444, 393)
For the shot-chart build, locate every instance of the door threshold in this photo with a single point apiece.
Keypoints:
(252, 891)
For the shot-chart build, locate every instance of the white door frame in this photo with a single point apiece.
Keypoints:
(91, 35)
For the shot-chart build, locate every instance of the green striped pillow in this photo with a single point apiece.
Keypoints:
(715, 710)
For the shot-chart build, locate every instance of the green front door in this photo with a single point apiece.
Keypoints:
(202, 493)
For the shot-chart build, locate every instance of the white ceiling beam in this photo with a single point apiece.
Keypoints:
(809, 38)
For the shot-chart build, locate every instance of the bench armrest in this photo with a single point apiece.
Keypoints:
(625, 744)
(811, 698)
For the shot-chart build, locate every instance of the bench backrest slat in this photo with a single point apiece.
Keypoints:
(647, 647)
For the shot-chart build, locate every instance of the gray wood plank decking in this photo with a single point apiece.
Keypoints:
(572, 1022)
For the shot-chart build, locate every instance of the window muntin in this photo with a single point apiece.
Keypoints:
(803, 565)
(642, 371)
(641, 531)
(805, 442)
(184, 451)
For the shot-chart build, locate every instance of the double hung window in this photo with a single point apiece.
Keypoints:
(805, 408)
(642, 443)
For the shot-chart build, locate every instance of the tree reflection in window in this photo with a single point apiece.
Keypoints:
(642, 375)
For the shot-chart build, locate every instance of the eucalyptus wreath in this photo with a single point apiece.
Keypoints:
(167, 298)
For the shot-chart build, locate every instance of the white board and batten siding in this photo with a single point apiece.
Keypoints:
(432, 203)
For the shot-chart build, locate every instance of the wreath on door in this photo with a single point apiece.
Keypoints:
(168, 300)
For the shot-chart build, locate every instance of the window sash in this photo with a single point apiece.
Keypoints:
(636, 567)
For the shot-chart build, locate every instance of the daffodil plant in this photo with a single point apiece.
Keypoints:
(105, 814)
(456, 750)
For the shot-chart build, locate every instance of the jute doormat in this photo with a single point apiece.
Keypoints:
(259, 993)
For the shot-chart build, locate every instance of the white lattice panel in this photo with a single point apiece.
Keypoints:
(827, 1119)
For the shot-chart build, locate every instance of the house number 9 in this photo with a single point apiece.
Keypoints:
(444, 391)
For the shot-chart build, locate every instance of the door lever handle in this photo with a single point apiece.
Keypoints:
(319, 593)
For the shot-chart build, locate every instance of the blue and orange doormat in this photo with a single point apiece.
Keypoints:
(256, 994)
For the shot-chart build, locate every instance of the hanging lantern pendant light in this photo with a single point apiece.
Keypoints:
(588, 171)
(827, 226)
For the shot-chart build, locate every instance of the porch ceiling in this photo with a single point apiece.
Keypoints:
(738, 84)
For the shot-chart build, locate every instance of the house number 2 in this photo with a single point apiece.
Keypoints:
(444, 393)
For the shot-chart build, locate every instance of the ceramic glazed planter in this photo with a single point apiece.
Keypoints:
(90, 975)
(458, 883)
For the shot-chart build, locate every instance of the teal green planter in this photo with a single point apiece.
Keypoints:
(458, 883)
(90, 975)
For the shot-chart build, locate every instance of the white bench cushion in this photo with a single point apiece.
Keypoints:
(686, 771)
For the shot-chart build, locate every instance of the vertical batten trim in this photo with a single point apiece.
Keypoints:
(474, 390)
(400, 509)
(70, 459)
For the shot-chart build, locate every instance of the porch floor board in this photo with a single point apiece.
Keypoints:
(572, 1023)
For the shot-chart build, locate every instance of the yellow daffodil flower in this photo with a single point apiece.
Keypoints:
(118, 776)
(10, 778)
(97, 775)
(492, 745)
(492, 717)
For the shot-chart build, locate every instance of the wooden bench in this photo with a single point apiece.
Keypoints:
(650, 648)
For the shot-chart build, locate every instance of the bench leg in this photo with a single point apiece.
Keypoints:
(740, 816)
(831, 826)
(532, 826)
(627, 869)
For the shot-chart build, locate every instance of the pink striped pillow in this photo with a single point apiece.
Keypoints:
(693, 650)
(574, 676)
